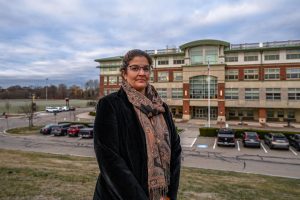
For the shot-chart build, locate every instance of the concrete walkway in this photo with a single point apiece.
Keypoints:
(233, 124)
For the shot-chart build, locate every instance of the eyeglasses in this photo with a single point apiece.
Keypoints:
(137, 68)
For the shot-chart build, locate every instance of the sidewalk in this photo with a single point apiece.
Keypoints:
(236, 124)
(246, 124)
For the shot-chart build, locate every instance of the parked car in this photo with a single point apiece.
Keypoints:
(65, 108)
(74, 130)
(72, 108)
(226, 137)
(46, 130)
(295, 141)
(60, 129)
(86, 132)
(276, 140)
(53, 109)
(251, 139)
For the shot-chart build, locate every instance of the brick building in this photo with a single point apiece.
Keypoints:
(252, 81)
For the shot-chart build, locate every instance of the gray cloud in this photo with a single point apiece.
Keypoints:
(60, 39)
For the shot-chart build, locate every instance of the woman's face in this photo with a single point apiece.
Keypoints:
(137, 73)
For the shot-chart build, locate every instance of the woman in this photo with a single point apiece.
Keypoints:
(135, 141)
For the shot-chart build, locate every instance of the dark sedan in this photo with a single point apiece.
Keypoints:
(46, 130)
(86, 133)
(226, 137)
(295, 141)
(276, 140)
(60, 130)
(251, 139)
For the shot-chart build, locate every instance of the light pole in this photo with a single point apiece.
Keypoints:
(208, 87)
(46, 91)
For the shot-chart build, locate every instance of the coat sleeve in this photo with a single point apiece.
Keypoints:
(119, 179)
(175, 159)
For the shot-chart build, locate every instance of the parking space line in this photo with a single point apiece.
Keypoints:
(193, 142)
(237, 142)
(293, 151)
(215, 143)
(263, 148)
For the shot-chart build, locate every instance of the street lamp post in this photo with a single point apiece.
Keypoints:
(46, 91)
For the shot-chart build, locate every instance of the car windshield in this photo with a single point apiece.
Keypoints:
(252, 136)
(49, 125)
(279, 136)
(225, 131)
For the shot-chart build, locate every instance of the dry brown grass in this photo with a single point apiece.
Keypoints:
(40, 176)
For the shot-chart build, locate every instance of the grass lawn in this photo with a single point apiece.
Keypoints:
(41, 104)
(26, 175)
(25, 130)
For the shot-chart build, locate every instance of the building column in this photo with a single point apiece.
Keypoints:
(186, 102)
(282, 73)
(221, 103)
(101, 86)
(262, 114)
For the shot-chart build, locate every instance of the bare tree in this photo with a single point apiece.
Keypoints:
(28, 111)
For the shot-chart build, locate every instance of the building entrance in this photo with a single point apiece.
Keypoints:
(202, 113)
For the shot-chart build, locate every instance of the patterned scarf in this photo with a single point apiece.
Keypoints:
(149, 109)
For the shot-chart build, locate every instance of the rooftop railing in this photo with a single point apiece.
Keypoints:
(265, 44)
(163, 51)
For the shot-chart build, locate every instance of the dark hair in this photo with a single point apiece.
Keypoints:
(130, 55)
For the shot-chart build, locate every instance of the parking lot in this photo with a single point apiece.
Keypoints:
(200, 152)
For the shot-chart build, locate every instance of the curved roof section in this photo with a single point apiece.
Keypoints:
(116, 58)
(204, 42)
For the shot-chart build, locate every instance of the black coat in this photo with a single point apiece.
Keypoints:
(120, 147)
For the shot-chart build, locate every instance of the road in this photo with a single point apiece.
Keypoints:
(198, 152)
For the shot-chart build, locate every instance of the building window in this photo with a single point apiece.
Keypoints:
(105, 92)
(231, 93)
(112, 80)
(272, 73)
(232, 74)
(291, 115)
(162, 92)
(105, 78)
(163, 76)
(251, 74)
(280, 113)
(113, 69)
(196, 55)
(292, 54)
(178, 61)
(163, 61)
(293, 73)
(211, 55)
(177, 93)
(112, 90)
(151, 76)
(250, 58)
(273, 94)
(249, 113)
(294, 94)
(177, 76)
(251, 93)
(231, 113)
(231, 59)
(270, 114)
(271, 57)
(199, 87)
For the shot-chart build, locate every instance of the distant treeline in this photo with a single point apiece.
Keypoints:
(61, 91)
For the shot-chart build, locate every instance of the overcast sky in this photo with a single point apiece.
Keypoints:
(60, 39)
